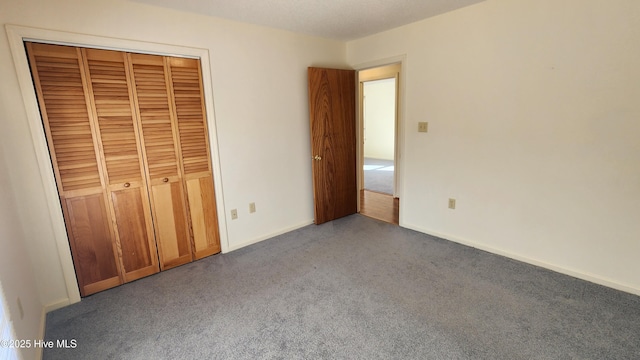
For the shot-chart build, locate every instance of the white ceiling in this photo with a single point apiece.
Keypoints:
(335, 19)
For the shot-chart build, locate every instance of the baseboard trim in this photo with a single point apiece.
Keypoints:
(57, 305)
(557, 268)
(265, 237)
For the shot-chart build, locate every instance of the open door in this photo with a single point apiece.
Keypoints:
(332, 111)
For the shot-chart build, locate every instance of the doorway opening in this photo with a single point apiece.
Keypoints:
(378, 100)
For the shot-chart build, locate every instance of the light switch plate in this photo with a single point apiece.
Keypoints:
(423, 126)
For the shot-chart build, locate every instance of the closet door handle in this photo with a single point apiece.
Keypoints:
(127, 184)
(165, 180)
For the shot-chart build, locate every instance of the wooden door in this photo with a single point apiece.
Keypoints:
(332, 108)
(118, 136)
(162, 154)
(186, 88)
(63, 97)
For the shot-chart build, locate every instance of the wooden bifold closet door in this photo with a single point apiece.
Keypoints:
(160, 138)
(128, 142)
(117, 137)
(194, 147)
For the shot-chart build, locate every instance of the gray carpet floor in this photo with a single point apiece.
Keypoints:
(354, 288)
(378, 175)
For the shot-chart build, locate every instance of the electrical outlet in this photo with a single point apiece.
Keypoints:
(252, 207)
(452, 203)
(423, 126)
(234, 214)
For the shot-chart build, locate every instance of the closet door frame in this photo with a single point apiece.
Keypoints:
(17, 36)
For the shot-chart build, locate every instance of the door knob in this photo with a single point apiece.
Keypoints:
(317, 157)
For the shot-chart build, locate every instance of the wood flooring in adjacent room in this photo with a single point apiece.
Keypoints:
(380, 206)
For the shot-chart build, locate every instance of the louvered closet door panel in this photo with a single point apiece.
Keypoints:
(185, 76)
(63, 98)
(188, 95)
(115, 116)
(162, 159)
(63, 105)
(118, 136)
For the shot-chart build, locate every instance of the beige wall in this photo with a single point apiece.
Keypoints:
(259, 88)
(16, 274)
(533, 127)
